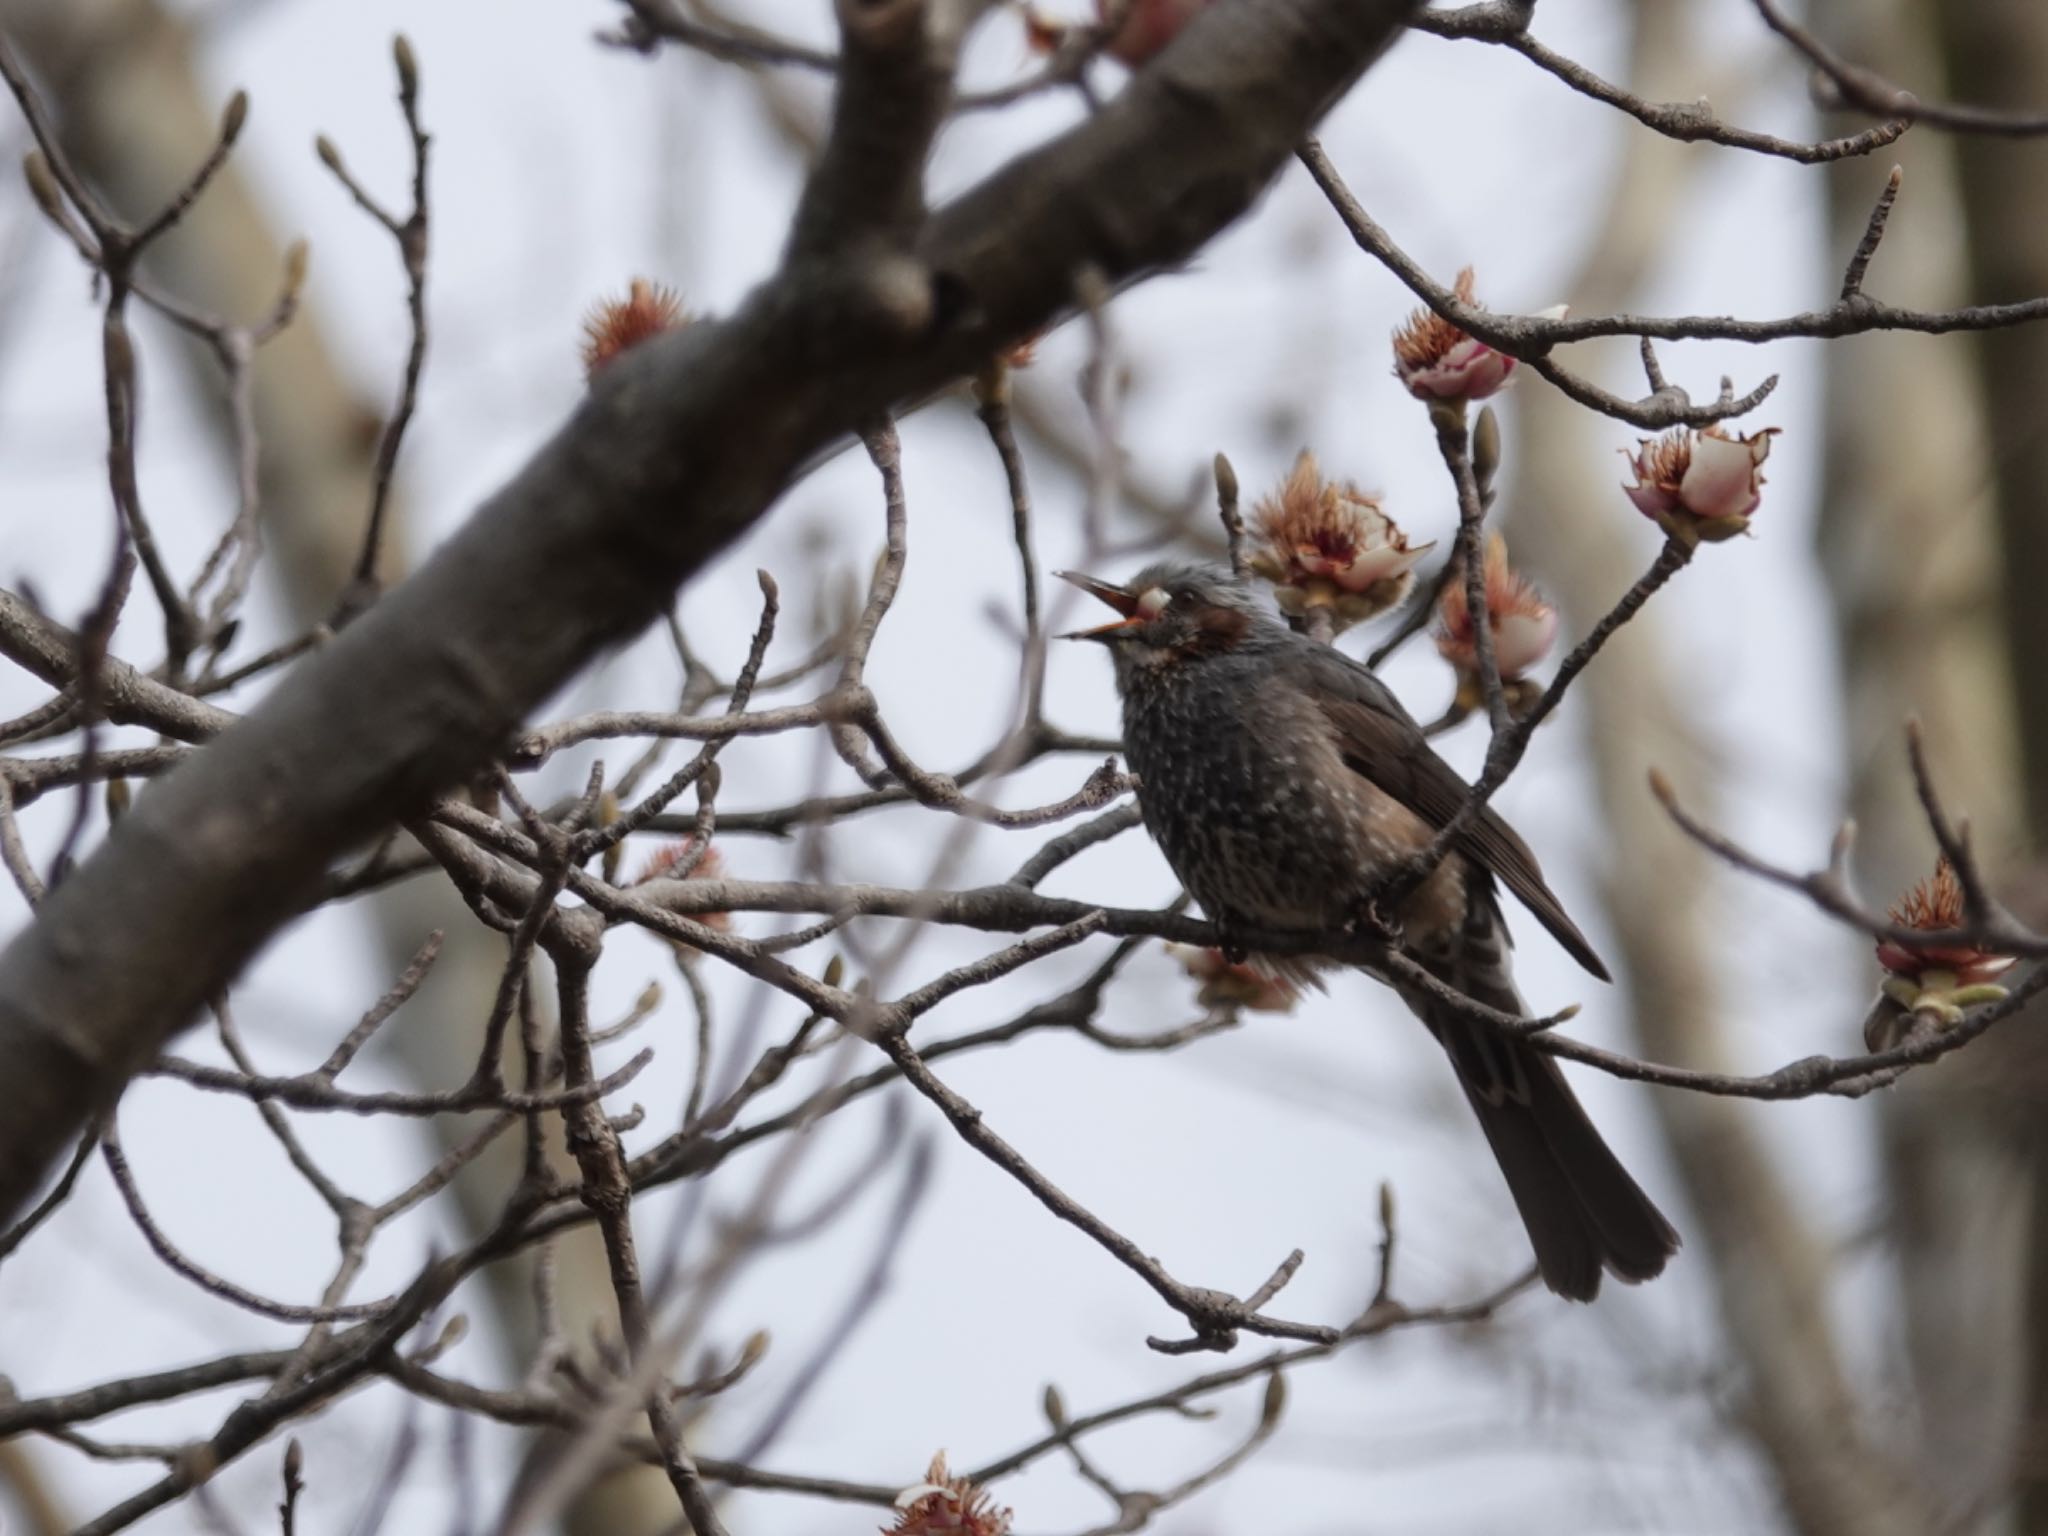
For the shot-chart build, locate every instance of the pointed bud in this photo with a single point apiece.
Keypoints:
(1226, 479)
(408, 66)
(234, 117)
(297, 257)
(1055, 1407)
(42, 185)
(1486, 453)
(1275, 1402)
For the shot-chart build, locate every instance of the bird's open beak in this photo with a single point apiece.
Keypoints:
(1125, 603)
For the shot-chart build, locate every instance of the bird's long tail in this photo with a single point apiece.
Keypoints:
(1584, 1214)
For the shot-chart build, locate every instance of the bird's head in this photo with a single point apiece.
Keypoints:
(1171, 615)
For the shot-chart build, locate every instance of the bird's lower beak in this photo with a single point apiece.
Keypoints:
(1124, 602)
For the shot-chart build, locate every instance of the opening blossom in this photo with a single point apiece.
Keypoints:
(942, 1503)
(1147, 27)
(1222, 984)
(615, 325)
(669, 862)
(1944, 978)
(1701, 485)
(1524, 628)
(1329, 545)
(1438, 361)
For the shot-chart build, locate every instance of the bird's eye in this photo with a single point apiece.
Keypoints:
(1152, 602)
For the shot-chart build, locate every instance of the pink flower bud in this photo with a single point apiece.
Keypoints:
(1701, 485)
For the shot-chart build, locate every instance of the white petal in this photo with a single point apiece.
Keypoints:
(1721, 480)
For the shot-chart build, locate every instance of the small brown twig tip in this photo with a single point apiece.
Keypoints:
(297, 257)
(1660, 786)
(1055, 1407)
(42, 185)
(1226, 478)
(330, 157)
(408, 66)
(1276, 1400)
(234, 117)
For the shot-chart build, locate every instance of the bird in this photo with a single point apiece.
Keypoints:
(1283, 781)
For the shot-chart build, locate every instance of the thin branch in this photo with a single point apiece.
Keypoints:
(1506, 23)
(1868, 91)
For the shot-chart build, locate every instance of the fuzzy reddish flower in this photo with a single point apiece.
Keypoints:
(1701, 485)
(1145, 27)
(1042, 34)
(1932, 905)
(1523, 624)
(679, 861)
(1438, 361)
(1021, 354)
(942, 1503)
(1224, 984)
(1148, 26)
(647, 310)
(1326, 544)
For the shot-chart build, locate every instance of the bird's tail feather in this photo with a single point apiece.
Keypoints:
(1585, 1215)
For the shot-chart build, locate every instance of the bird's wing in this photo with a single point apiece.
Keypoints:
(1380, 741)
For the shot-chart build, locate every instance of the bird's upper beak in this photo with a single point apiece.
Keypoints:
(1124, 602)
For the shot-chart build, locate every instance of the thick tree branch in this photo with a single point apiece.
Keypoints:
(682, 445)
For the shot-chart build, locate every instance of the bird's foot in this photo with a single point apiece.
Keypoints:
(1377, 924)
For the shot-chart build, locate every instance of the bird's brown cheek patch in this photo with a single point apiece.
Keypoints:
(1218, 629)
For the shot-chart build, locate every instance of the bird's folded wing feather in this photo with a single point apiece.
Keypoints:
(1381, 741)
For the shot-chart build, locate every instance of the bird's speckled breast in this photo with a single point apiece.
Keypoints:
(1246, 794)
